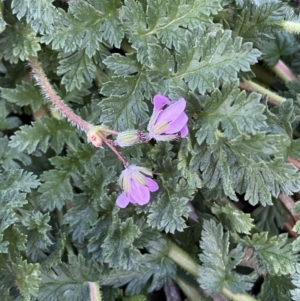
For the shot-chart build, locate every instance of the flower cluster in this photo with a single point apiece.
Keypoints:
(168, 122)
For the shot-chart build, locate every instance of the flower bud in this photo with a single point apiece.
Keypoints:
(128, 138)
(94, 136)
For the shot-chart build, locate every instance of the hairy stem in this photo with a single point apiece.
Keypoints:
(272, 97)
(237, 297)
(95, 294)
(51, 95)
(184, 260)
(291, 26)
(190, 291)
(283, 71)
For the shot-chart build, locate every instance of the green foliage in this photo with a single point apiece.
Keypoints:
(61, 232)
(220, 57)
(276, 288)
(152, 26)
(85, 26)
(69, 281)
(118, 246)
(55, 189)
(157, 269)
(270, 218)
(18, 43)
(10, 158)
(246, 172)
(39, 13)
(231, 112)
(14, 186)
(77, 69)
(44, 133)
(258, 23)
(274, 254)
(6, 121)
(28, 278)
(296, 281)
(19, 278)
(219, 262)
(23, 95)
(37, 231)
(233, 219)
(284, 44)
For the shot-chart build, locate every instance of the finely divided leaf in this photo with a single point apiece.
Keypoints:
(243, 164)
(276, 288)
(14, 185)
(37, 228)
(18, 42)
(124, 106)
(205, 59)
(118, 246)
(275, 254)
(258, 23)
(55, 190)
(69, 281)
(39, 13)
(231, 111)
(11, 158)
(77, 69)
(27, 278)
(122, 65)
(295, 293)
(270, 218)
(85, 26)
(165, 21)
(170, 208)
(219, 263)
(233, 219)
(44, 133)
(23, 95)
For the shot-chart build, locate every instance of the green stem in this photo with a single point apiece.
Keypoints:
(190, 291)
(183, 259)
(283, 71)
(95, 294)
(237, 297)
(272, 97)
(68, 245)
(291, 26)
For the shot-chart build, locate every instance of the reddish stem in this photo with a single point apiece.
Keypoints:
(51, 95)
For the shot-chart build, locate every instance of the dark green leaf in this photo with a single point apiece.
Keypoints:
(219, 262)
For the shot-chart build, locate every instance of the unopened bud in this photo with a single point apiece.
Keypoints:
(94, 136)
(127, 138)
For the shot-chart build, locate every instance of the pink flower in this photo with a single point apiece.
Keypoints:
(136, 187)
(166, 123)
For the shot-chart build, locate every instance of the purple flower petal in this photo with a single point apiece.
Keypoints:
(176, 125)
(139, 193)
(184, 132)
(159, 101)
(152, 185)
(122, 200)
(172, 112)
